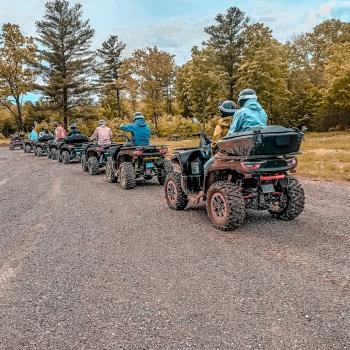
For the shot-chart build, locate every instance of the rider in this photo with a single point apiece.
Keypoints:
(251, 113)
(45, 132)
(60, 132)
(103, 134)
(33, 135)
(141, 132)
(73, 130)
(227, 110)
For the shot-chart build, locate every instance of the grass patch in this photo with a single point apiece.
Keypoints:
(324, 156)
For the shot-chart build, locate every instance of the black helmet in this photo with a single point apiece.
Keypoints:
(227, 107)
(246, 95)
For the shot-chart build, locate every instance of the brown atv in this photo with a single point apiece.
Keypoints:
(129, 163)
(251, 170)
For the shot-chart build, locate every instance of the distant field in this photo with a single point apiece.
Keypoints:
(325, 156)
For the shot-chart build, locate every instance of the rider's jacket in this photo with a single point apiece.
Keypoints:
(141, 132)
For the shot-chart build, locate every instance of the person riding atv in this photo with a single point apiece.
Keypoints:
(60, 132)
(227, 110)
(103, 134)
(141, 132)
(250, 115)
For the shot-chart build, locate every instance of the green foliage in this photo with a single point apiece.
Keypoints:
(17, 57)
(111, 77)
(264, 68)
(66, 57)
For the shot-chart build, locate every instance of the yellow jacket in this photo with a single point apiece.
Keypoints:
(221, 130)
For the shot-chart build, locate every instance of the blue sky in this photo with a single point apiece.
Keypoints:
(177, 25)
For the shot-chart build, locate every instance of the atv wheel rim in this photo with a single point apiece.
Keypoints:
(171, 191)
(218, 205)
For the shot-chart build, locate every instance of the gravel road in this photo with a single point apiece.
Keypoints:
(87, 265)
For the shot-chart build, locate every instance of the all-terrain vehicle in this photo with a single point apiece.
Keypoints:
(41, 146)
(71, 148)
(95, 157)
(129, 163)
(27, 146)
(249, 171)
(52, 149)
(15, 142)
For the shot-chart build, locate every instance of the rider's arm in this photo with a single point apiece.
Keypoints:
(217, 135)
(128, 127)
(94, 135)
(236, 123)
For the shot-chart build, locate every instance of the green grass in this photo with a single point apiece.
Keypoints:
(324, 156)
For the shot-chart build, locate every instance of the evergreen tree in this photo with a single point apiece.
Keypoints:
(227, 39)
(264, 68)
(109, 70)
(17, 76)
(66, 58)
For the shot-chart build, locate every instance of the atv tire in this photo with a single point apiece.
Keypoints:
(11, 148)
(54, 153)
(295, 201)
(225, 206)
(167, 169)
(27, 149)
(65, 157)
(93, 165)
(49, 156)
(127, 175)
(174, 194)
(39, 151)
(110, 171)
(84, 165)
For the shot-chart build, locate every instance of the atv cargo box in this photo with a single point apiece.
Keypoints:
(259, 142)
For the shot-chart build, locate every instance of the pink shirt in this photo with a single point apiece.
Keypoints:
(60, 133)
(103, 134)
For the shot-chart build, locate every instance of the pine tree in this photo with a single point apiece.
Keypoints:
(264, 68)
(66, 58)
(17, 76)
(227, 39)
(109, 70)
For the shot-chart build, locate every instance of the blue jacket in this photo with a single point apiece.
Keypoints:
(141, 132)
(249, 116)
(33, 136)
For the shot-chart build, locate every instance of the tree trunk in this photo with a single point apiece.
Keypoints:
(118, 104)
(155, 117)
(19, 114)
(65, 108)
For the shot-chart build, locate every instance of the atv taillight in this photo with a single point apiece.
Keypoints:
(251, 166)
(163, 150)
(138, 152)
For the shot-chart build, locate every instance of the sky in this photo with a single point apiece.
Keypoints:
(177, 25)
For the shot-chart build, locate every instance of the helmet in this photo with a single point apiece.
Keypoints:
(138, 115)
(245, 95)
(102, 122)
(227, 106)
(73, 126)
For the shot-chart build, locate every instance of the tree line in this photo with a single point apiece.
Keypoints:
(305, 81)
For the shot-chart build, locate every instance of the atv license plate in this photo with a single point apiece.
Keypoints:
(268, 188)
(149, 165)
